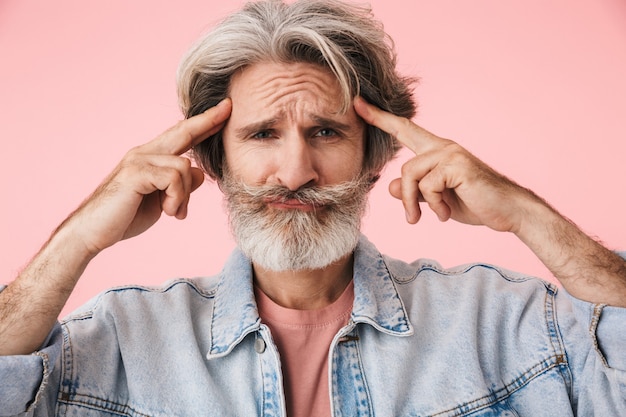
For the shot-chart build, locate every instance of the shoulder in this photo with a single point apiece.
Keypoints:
(172, 294)
(480, 299)
(464, 279)
(135, 318)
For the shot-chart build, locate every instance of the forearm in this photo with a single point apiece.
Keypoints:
(585, 268)
(150, 179)
(30, 305)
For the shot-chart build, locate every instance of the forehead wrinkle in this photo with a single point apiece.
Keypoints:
(266, 95)
(287, 86)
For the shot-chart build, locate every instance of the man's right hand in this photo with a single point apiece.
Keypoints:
(150, 179)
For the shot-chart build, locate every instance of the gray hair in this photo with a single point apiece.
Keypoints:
(344, 38)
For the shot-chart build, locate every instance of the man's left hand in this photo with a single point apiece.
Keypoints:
(455, 184)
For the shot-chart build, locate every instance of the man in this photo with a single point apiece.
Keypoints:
(294, 110)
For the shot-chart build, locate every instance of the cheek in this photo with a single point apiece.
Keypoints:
(247, 164)
(341, 164)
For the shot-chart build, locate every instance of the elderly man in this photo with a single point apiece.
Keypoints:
(294, 110)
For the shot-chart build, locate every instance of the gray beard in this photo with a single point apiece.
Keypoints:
(282, 240)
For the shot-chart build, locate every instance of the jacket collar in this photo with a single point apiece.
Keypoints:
(376, 299)
(234, 310)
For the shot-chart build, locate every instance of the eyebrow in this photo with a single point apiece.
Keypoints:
(252, 128)
(331, 123)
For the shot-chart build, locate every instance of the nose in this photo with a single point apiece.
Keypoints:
(295, 164)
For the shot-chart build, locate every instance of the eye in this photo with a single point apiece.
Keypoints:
(264, 134)
(326, 132)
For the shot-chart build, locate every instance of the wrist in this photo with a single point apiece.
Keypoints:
(537, 221)
(67, 245)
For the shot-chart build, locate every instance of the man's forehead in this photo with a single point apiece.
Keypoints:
(323, 115)
(276, 87)
(267, 94)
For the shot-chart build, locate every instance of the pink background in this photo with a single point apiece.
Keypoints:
(537, 88)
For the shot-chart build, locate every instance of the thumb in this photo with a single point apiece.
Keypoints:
(197, 178)
(395, 188)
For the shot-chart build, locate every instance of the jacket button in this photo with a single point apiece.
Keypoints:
(259, 345)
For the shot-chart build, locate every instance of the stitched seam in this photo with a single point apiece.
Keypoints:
(66, 378)
(44, 380)
(101, 404)
(593, 327)
(262, 369)
(405, 316)
(182, 281)
(554, 332)
(158, 290)
(504, 392)
(458, 272)
(362, 369)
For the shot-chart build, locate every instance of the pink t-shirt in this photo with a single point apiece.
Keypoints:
(303, 339)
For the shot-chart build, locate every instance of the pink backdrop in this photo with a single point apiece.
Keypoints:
(537, 88)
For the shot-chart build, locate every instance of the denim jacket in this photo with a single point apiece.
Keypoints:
(422, 341)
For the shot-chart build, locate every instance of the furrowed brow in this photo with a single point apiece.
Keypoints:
(252, 128)
(332, 124)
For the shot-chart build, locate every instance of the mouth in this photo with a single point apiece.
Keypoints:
(293, 204)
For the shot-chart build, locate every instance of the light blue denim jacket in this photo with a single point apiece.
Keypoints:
(422, 341)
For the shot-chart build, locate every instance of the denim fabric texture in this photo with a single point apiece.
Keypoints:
(475, 340)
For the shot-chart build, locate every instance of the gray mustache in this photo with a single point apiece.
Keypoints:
(315, 195)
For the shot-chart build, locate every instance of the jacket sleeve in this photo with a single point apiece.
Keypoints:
(29, 383)
(594, 337)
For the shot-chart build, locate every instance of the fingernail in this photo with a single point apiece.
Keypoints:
(218, 105)
(223, 102)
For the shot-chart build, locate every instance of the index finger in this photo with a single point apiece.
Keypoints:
(414, 137)
(189, 132)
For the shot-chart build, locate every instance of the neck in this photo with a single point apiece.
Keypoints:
(306, 289)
